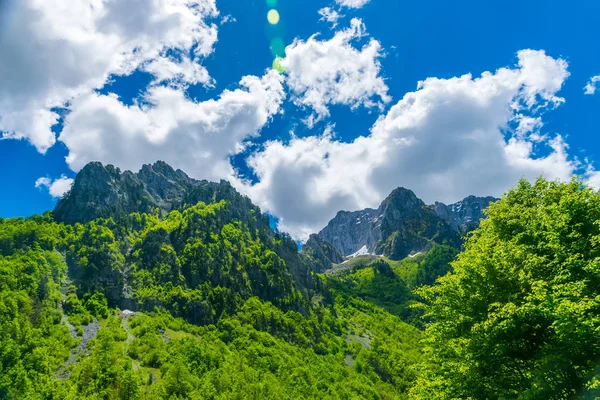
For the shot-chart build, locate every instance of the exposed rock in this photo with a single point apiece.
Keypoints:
(465, 215)
(348, 232)
(403, 225)
(322, 253)
(104, 191)
(408, 225)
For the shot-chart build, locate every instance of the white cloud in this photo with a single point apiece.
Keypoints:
(57, 188)
(227, 19)
(182, 72)
(590, 88)
(197, 137)
(322, 73)
(352, 3)
(330, 15)
(53, 51)
(446, 140)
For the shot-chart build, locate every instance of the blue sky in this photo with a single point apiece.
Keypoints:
(417, 40)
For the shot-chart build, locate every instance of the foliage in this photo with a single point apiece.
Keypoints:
(33, 342)
(224, 308)
(377, 284)
(219, 314)
(518, 317)
(435, 264)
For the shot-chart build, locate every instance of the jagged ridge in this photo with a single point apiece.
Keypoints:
(403, 224)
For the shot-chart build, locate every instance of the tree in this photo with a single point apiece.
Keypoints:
(519, 316)
(435, 264)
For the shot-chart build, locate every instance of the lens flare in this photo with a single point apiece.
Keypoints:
(278, 47)
(271, 3)
(278, 65)
(273, 17)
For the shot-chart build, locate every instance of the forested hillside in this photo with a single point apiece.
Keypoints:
(193, 296)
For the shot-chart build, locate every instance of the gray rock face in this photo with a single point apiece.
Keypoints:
(408, 225)
(348, 232)
(403, 224)
(104, 191)
(465, 215)
(322, 254)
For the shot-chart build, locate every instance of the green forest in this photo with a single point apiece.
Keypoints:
(207, 302)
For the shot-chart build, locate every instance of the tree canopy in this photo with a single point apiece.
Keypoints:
(519, 315)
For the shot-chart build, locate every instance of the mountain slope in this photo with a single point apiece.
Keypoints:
(155, 210)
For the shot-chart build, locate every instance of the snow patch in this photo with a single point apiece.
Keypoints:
(363, 251)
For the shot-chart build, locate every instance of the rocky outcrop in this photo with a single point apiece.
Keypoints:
(348, 232)
(465, 215)
(322, 253)
(104, 191)
(408, 225)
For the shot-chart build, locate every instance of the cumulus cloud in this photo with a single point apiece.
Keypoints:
(590, 88)
(78, 45)
(197, 137)
(330, 15)
(323, 73)
(178, 72)
(352, 3)
(449, 138)
(57, 188)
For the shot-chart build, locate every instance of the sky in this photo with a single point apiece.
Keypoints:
(307, 106)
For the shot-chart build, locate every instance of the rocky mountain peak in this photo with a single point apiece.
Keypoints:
(464, 215)
(349, 231)
(401, 198)
(322, 253)
(403, 224)
(102, 191)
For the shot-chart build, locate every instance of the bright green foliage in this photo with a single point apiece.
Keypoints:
(382, 345)
(95, 260)
(520, 315)
(33, 343)
(107, 373)
(377, 284)
(435, 264)
(198, 265)
(262, 352)
(225, 309)
(78, 314)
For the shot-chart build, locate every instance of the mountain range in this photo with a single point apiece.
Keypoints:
(402, 225)
(153, 285)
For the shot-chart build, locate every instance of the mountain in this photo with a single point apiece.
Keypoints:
(101, 191)
(153, 285)
(104, 192)
(156, 286)
(464, 216)
(403, 224)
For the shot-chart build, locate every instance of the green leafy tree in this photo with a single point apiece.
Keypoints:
(520, 315)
